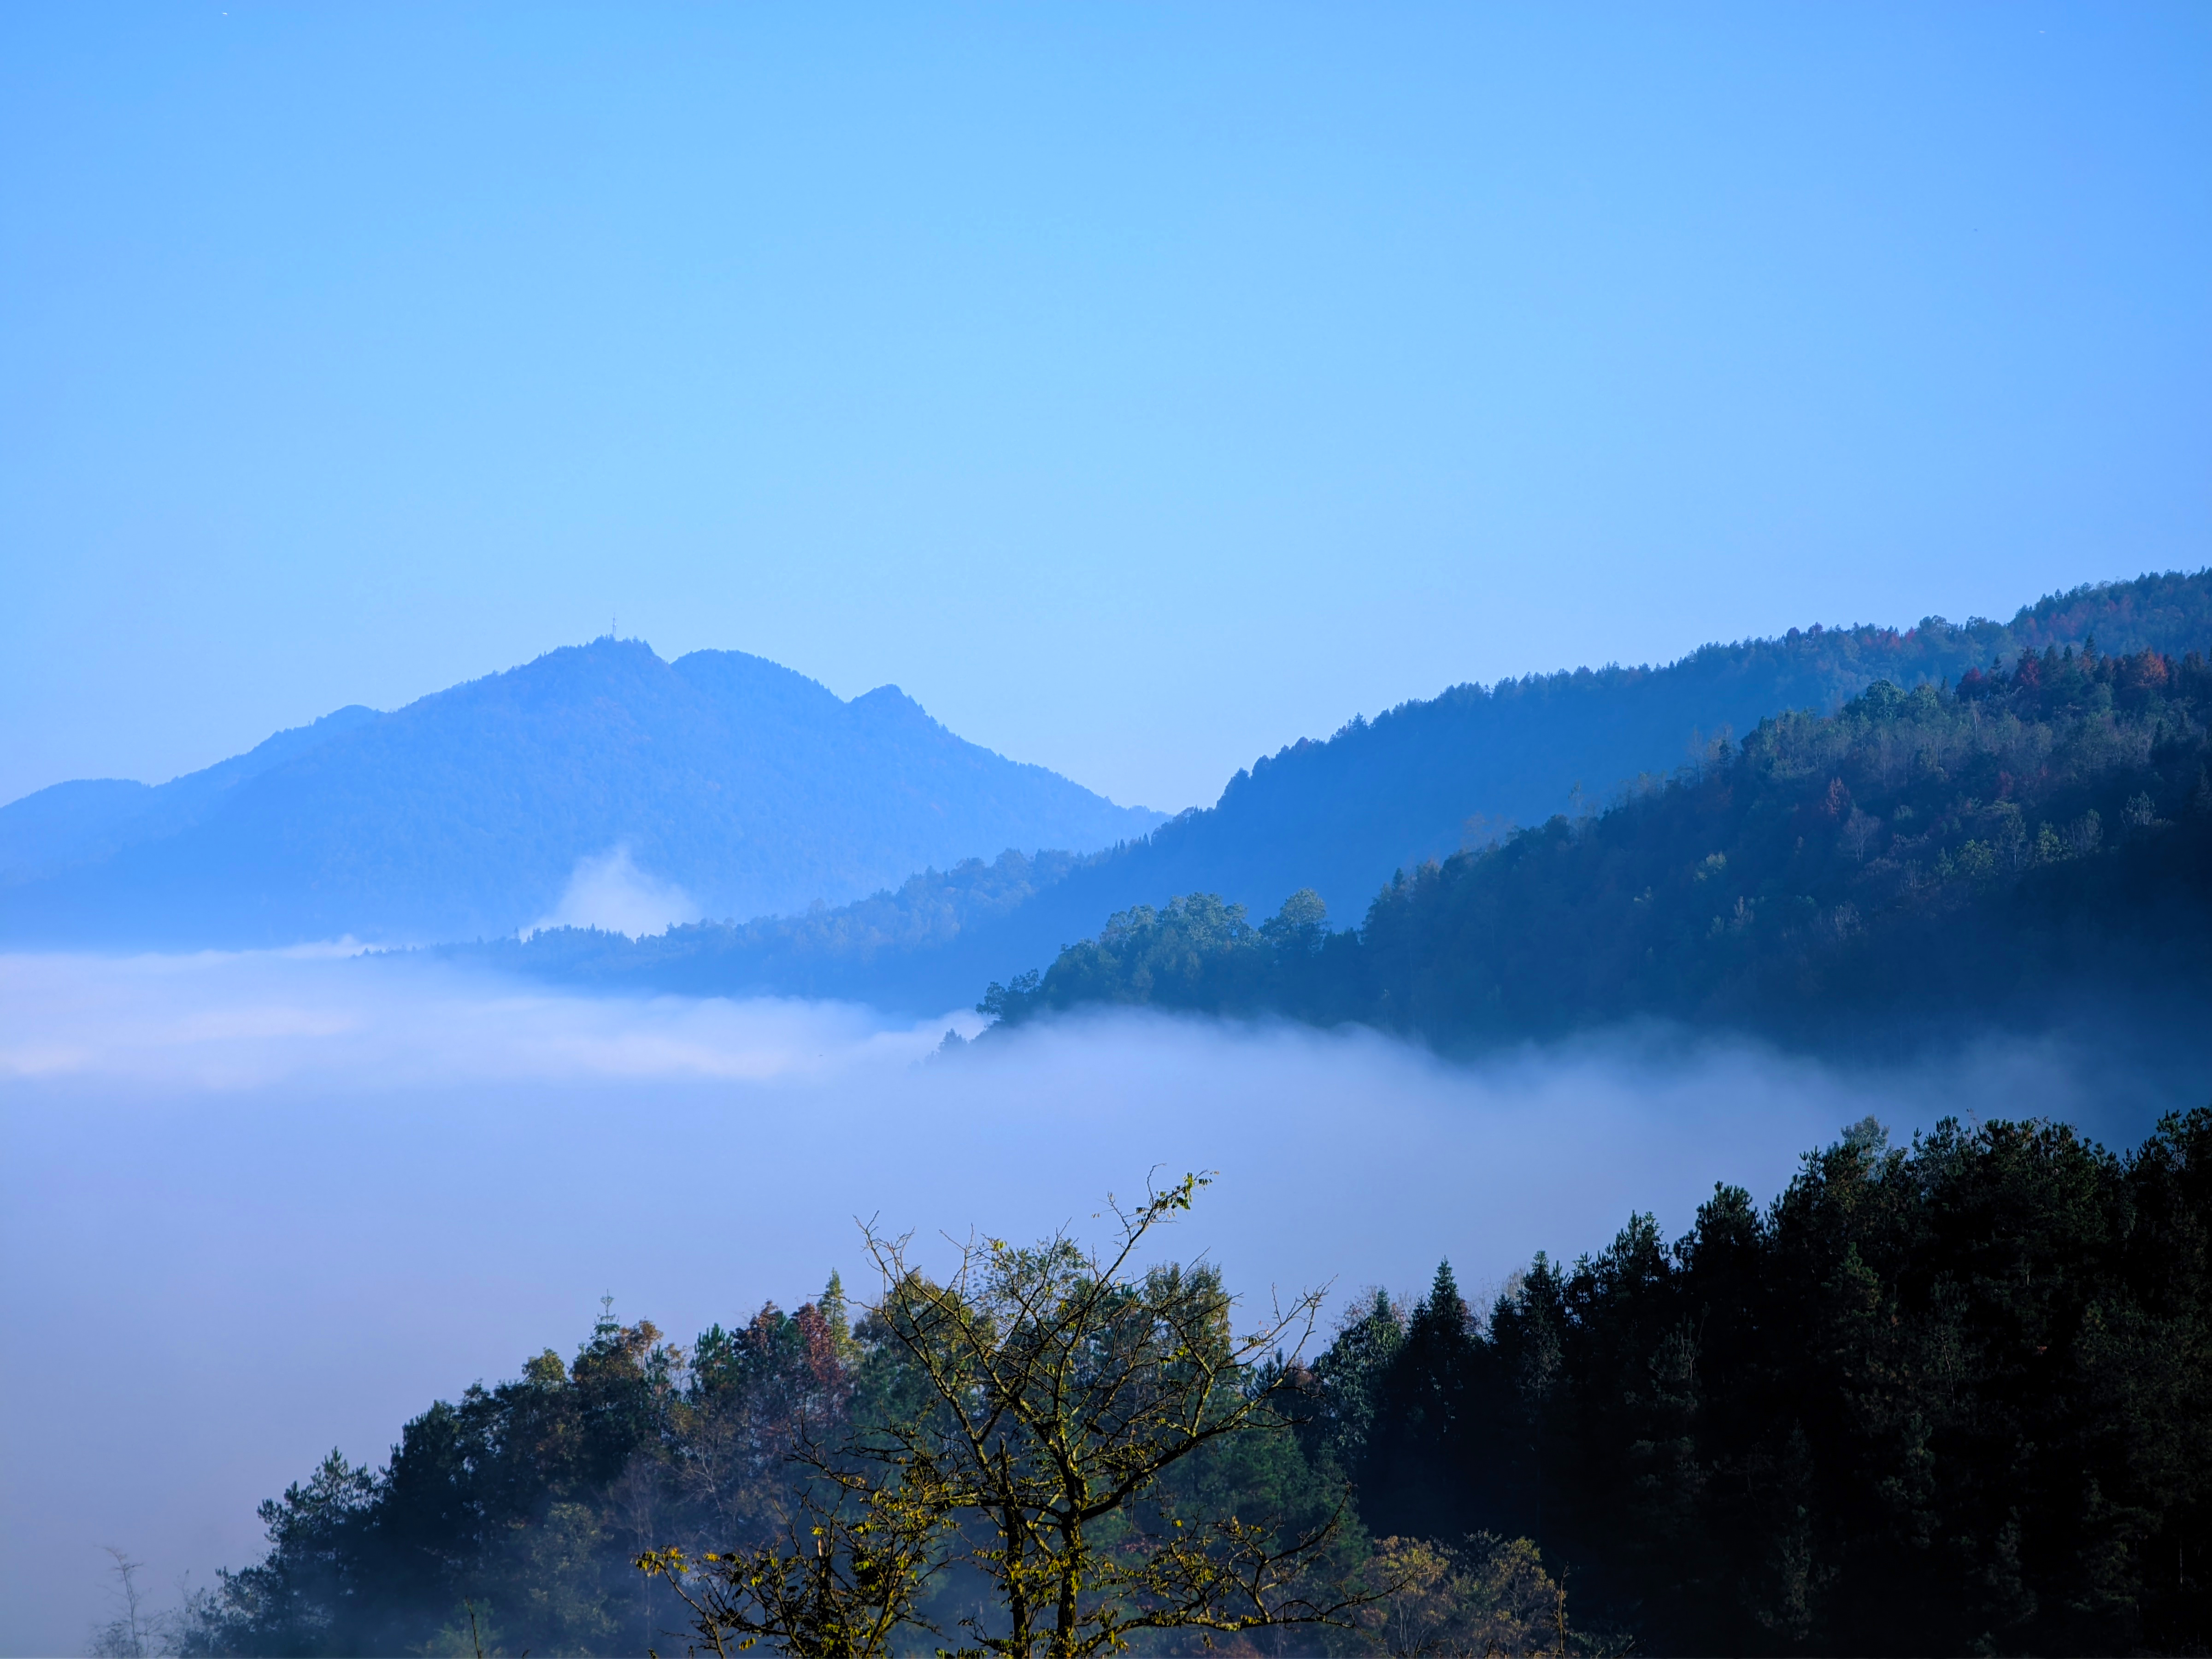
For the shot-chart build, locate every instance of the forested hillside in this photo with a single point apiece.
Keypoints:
(1424, 779)
(1948, 1398)
(1339, 816)
(748, 787)
(1945, 1398)
(2036, 838)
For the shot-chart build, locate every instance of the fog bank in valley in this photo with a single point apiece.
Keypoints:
(254, 1205)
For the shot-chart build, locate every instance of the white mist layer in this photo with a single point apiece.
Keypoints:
(609, 892)
(252, 1206)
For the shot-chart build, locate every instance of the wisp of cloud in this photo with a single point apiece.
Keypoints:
(609, 892)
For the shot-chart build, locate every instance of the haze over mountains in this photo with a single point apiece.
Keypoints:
(723, 783)
(879, 856)
(1341, 817)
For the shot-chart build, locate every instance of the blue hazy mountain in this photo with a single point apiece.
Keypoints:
(90, 819)
(749, 788)
(1341, 816)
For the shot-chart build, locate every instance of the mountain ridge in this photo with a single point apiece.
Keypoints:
(2030, 846)
(1342, 815)
(746, 784)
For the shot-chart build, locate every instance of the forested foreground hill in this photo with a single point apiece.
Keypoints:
(1338, 816)
(2035, 840)
(1946, 1399)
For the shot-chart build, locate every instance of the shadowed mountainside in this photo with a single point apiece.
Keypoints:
(2030, 847)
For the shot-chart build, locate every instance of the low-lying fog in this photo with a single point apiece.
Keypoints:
(256, 1206)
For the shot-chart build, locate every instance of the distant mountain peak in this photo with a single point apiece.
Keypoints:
(723, 776)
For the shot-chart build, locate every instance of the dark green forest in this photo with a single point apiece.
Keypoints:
(2037, 838)
(1947, 1398)
(1944, 1398)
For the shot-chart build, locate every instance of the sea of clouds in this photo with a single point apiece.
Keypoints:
(255, 1205)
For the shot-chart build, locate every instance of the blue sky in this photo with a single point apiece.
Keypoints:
(1140, 389)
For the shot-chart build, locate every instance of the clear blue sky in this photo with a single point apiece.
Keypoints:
(1140, 389)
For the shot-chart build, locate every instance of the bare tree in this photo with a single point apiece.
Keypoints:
(133, 1632)
(1859, 833)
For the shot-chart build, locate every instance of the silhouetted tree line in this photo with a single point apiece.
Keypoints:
(510, 1517)
(609, 1503)
(1998, 847)
(1954, 1397)
(1945, 1399)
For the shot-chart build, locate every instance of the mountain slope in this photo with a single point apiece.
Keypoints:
(749, 786)
(91, 818)
(1341, 817)
(2033, 845)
